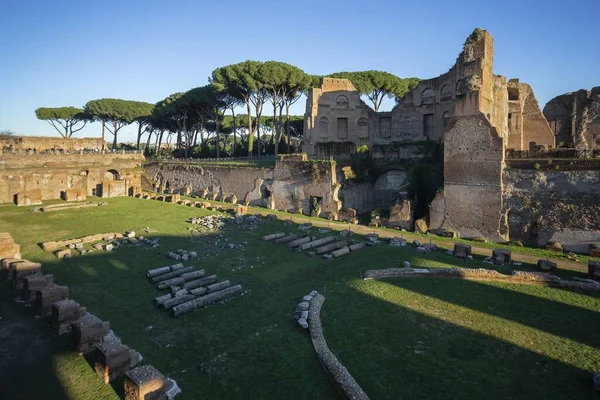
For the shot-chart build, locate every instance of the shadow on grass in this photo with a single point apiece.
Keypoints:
(27, 350)
(436, 355)
(544, 314)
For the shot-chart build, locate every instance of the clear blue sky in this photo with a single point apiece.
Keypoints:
(59, 53)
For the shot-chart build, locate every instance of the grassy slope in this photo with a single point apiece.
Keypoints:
(400, 338)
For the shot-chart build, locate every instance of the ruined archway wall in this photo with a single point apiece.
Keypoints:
(52, 174)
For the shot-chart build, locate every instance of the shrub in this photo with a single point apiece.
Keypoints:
(555, 246)
(537, 166)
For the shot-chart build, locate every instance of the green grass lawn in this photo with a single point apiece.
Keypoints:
(411, 338)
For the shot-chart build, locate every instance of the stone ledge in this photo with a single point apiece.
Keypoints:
(525, 277)
(340, 375)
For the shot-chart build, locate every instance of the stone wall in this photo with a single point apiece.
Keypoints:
(474, 145)
(553, 205)
(285, 181)
(54, 174)
(40, 143)
(575, 118)
(336, 119)
(247, 183)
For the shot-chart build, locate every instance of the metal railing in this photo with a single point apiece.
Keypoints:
(556, 153)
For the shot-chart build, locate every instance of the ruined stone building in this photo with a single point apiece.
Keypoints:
(28, 178)
(337, 120)
(575, 118)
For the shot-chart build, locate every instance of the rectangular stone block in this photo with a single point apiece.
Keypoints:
(546, 265)
(64, 313)
(501, 256)
(111, 360)
(88, 332)
(22, 268)
(8, 247)
(174, 198)
(143, 381)
(7, 266)
(34, 283)
(462, 250)
(48, 296)
(594, 269)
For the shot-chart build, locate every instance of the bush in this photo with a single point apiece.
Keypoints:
(555, 246)
(537, 166)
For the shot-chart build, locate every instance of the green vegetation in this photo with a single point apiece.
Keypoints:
(378, 84)
(70, 119)
(479, 340)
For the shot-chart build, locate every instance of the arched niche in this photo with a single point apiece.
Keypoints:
(342, 102)
(428, 96)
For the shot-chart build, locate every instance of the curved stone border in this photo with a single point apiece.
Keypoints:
(525, 277)
(340, 375)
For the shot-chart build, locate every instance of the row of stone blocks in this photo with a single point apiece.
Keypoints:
(503, 256)
(326, 246)
(112, 359)
(176, 198)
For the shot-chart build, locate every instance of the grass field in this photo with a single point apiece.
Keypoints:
(412, 338)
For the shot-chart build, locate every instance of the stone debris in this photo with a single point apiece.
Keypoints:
(501, 256)
(546, 265)
(324, 230)
(346, 232)
(397, 242)
(406, 264)
(305, 226)
(66, 253)
(301, 311)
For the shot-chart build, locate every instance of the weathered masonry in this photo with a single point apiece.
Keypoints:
(30, 178)
(337, 120)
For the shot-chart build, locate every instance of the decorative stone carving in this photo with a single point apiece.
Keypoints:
(428, 96)
(342, 102)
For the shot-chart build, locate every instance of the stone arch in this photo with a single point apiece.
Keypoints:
(428, 96)
(459, 90)
(342, 102)
(388, 186)
(446, 118)
(446, 93)
(112, 175)
(324, 126)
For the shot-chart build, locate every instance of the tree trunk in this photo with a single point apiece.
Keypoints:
(258, 114)
(160, 138)
(147, 149)
(115, 135)
(287, 127)
(102, 135)
(275, 130)
(250, 132)
(218, 133)
(139, 136)
(234, 128)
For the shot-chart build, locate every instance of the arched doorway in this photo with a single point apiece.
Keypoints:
(112, 175)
